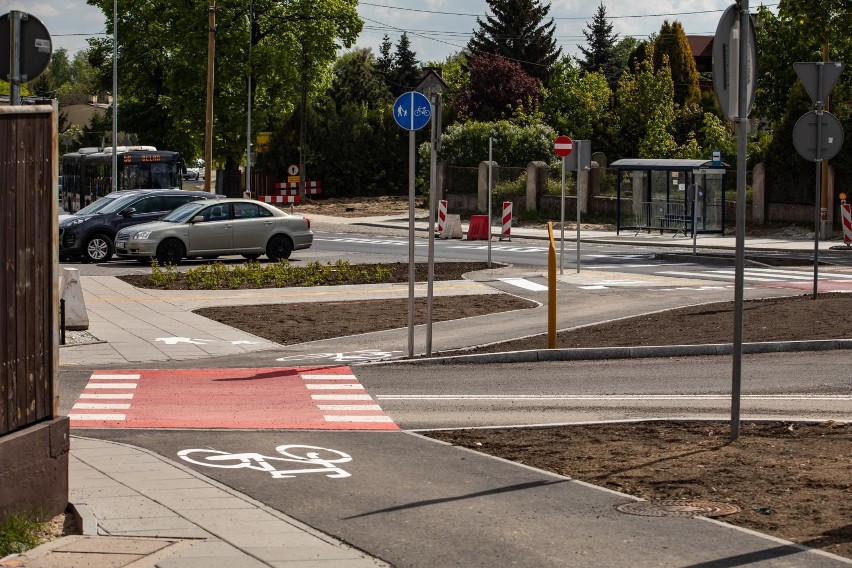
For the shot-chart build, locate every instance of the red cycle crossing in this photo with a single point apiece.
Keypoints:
(325, 398)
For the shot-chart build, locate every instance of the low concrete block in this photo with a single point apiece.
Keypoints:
(76, 316)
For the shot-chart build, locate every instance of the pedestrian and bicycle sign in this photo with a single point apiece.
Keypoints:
(412, 110)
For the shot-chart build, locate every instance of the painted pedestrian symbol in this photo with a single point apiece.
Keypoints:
(293, 453)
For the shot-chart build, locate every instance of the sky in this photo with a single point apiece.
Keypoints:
(436, 28)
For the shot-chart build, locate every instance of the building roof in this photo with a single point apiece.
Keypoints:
(700, 45)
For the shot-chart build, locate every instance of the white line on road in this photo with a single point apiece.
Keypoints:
(349, 407)
(111, 385)
(357, 418)
(612, 397)
(341, 397)
(99, 406)
(96, 417)
(114, 377)
(335, 387)
(329, 377)
(109, 396)
(524, 283)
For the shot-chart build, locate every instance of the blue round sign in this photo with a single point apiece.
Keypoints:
(412, 110)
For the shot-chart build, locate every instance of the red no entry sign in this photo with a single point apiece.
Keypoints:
(562, 146)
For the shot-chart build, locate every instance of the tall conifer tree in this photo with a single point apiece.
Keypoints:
(602, 55)
(672, 44)
(516, 31)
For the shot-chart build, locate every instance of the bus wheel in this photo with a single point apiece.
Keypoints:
(98, 248)
(170, 251)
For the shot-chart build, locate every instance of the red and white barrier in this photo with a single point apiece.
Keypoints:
(506, 233)
(279, 198)
(295, 185)
(308, 191)
(442, 215)
(846, 215)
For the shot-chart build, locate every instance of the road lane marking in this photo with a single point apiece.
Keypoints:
(348, 386)
(358, 418)
(100, 406)
(109, 396)
(524, 283)
(664, 397)
(111, 385)
(110, 417)
(97, 377)
(349, 407)
(341, 397)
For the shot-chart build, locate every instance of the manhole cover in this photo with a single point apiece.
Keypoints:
(678, 508)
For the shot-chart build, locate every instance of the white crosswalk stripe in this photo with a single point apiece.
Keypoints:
(759, 275)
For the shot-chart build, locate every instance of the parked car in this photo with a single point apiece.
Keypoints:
(91, 231)
(228, 226)
(193, 173)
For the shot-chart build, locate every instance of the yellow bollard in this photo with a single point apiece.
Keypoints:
(551, 289)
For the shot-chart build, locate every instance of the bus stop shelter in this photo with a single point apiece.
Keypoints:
(670, 195)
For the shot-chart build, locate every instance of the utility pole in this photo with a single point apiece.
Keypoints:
(208, 124)
(114, 95)
(248, 126)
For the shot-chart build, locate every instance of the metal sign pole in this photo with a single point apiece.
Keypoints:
(578, 149)
(562, 221)
(490, 166)
(411, 166)
(433, 182)
(742, 132)
(818, 161)
(15, 57)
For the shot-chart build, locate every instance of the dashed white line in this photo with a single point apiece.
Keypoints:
(350, 386)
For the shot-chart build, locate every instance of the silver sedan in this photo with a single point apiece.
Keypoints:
(208, 229)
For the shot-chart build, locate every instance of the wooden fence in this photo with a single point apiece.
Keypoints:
(28, 286)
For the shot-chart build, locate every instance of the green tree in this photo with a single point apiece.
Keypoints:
(643, 96)
(356, 80)
(516, 30)
(577, 104)
(672, 48)
(601, 55)
(162, 65)
(498, 87)
(406, 69)
(384, 62)
(466, 144)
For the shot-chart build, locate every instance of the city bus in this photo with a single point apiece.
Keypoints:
(87, 173)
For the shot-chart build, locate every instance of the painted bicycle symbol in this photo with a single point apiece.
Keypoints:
(293, 453)
(343, 357)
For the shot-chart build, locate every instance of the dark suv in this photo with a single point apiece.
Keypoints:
(91, 231)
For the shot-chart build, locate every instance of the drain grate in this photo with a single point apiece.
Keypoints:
(678, 508)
